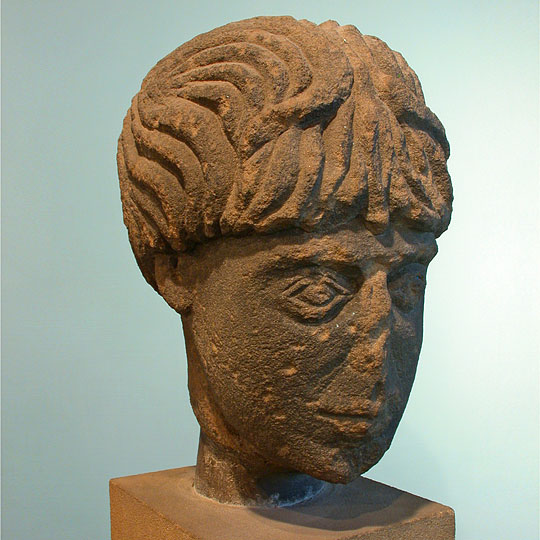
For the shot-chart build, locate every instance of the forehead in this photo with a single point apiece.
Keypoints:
(349, 245)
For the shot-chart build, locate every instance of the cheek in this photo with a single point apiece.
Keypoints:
(249, 352)
(406, 342)
(262, 364)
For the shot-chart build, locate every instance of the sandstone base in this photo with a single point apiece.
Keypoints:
(163, 506)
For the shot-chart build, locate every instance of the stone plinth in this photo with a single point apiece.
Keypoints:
(164, 506)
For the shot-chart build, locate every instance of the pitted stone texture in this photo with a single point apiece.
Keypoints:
(164, 506)
(283, 185)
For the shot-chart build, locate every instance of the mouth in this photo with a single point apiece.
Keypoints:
(353, 422)
(365, 409)
(347, 415)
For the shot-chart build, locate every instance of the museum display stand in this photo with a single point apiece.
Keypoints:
(164, 506)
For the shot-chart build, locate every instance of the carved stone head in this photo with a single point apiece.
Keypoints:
(283, 185)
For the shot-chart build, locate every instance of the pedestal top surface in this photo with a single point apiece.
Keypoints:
(361, 507)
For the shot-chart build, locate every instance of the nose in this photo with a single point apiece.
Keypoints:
(371, 325)
(359, 385)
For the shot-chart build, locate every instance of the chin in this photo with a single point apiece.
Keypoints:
(345, 464)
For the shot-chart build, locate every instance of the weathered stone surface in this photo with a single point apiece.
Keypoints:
(163, 505)
(283, 185)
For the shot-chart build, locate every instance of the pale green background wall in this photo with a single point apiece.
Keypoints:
(94, 375)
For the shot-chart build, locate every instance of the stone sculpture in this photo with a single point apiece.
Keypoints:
(283, 185)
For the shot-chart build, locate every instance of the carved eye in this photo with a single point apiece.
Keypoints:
(318, 295)
(407, 287)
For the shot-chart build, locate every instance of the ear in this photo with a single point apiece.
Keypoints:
(171, 283)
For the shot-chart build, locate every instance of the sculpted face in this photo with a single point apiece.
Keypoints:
(308, 343)
(302, 346)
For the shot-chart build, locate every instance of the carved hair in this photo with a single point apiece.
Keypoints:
(270, 124)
